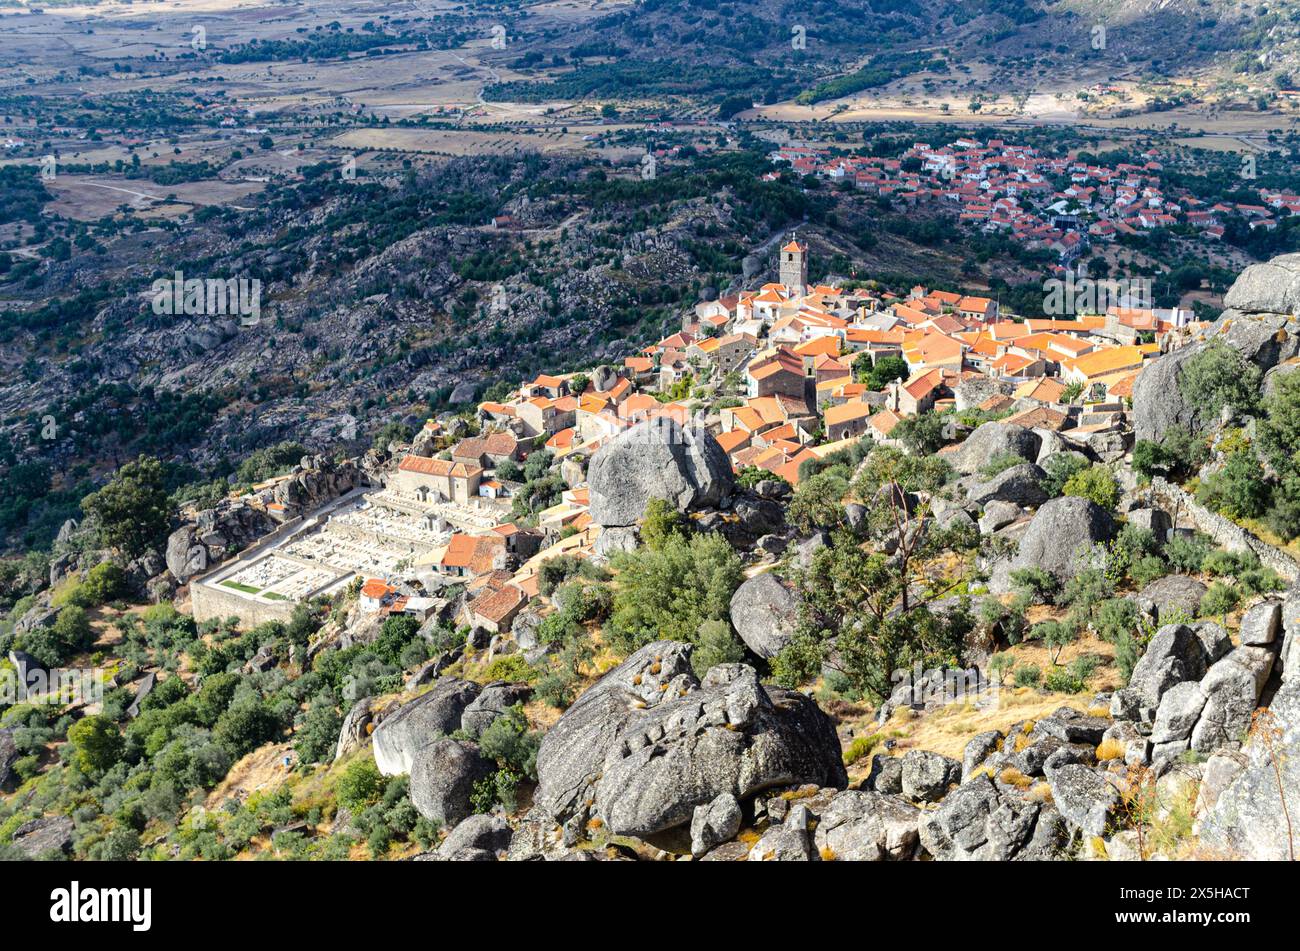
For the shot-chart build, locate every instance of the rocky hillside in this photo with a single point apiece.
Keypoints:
(1012, 645)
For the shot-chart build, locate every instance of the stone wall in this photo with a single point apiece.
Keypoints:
(208, 601)
(1183, 508)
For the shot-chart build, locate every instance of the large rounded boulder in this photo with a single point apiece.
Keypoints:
(418, 723)
(443, 775)
(662, 459)
(764, 612)
(641, 752)
(991, 440)
(1064, 537)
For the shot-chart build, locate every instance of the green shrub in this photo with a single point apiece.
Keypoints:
(511, 667)
(1186, 553)
(1114, 618)
(1001, 665)
(1219, 599)
(361, 785)
(1035, 583)
(670, 593)
(661, 519)
(1061, 680)
(1095, 483)
(69, 635)
(716, 645)
(509, 741)
(1238, 490)
(800, 661)
(1000, 463)
(1060, 468)
(96, 743)
(104, 582)
(1146, 569)
(1028, 675)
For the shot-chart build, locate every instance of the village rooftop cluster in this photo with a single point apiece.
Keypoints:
(779, 375)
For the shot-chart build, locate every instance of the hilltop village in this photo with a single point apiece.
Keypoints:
(782, 375)
(826, 574)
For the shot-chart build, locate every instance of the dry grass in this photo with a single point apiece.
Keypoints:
(1110, 749)
(1014, 777)
(948, 729)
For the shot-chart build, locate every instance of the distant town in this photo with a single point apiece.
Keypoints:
(1016, 190)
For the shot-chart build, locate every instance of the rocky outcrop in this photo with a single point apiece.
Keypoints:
(981, 821)
(926, 776)
(8, 756)
(1261, 623)
(1288, 661)
(978, 748)
(867, 827)
(1063, 538)
(1257, 813)
(443, 774)
(493, 702)
(49, 836)
(1021, 485)
(355, 730)
(490, 834)
(1269, 288)
(714, 823)
(1194, 690)
(991, 440)
(998, 515)
(1085, 797)
(1171, 596)
(1232, 689)
(1258, 322)
(421, 721)
(661, 459)
(649, 743)
(765, 612)
(789, 842)
(1175, 654)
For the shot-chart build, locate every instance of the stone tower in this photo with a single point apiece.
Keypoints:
(794, 267)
